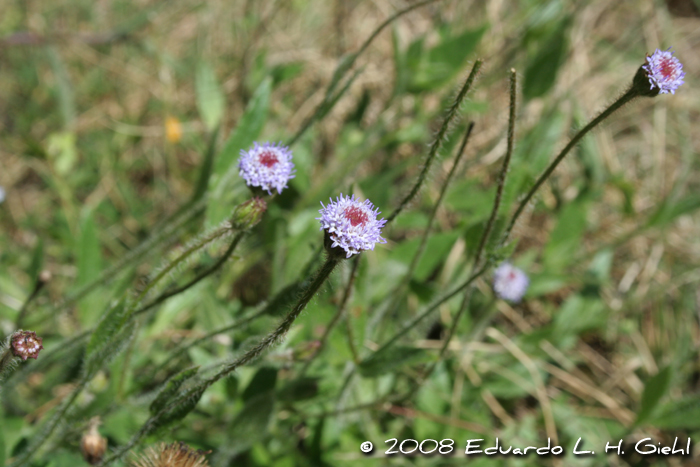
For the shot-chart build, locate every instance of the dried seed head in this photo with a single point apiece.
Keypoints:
(171, 455)
(26, 344)
(93, 445)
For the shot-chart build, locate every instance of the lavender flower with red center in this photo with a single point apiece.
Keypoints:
(509, 282)
(664, 71)
(268, 166)
(351, 224)
(26, 344)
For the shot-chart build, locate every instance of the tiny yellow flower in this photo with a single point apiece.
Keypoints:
(173, 130)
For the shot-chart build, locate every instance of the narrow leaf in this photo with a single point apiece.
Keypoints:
(172, 386)
(251, 424)
(654, 390)
(683, 414)
(248, 129)
(210, 99)
(541, 72)
(390, 359)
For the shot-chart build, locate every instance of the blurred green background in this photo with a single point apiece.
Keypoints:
(108, 109)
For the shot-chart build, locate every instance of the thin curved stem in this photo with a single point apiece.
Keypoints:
(624, 99)
(504, 169)
(178, 290)
(341, 310)
(443, 189)
(343, 67)
(192, 396)
(439, 138)
(432, 308)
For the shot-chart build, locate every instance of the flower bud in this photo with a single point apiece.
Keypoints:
(26, 344)
(248, 214)
(93, 445)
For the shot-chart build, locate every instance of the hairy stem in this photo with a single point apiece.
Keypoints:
(343, 67)
(341, 310)
(504, 170)
(624, 99)
(192, 396)
(439, 139)
(210, 270)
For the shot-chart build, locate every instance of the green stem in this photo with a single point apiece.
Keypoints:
(624, 99)
(394, 298)
(213, 268)
(437, 143)
(492, 218)
(424, 239)
(191, 396)
(44, 434)
(504, 172)
(281, 331)
(432, 308)
(196, 246)
(7, 361)
(137, 253)
(343, 67)
(341, 309)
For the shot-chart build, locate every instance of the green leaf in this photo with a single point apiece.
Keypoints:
(654, 390)
(683, 414)
(578, 314)
(65, 459)
(107, 327)
(179, 409)
(400, 64)
(264, 380)
(541, 71)
(225, 169)
(172, 386)
(37, 262)
(89, 256)
(437, 248)
(210, 99)
(565, 239)
(442, 63)
(251, 424)
(88, 251)
(299, 389)
(390, 359)
(61, 149)
(669, 210)
(2, 441)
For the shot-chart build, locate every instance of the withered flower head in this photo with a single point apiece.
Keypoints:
(171, 455)
(93, 445)
(26, 344)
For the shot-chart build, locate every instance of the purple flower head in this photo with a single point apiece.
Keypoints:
(268, 166)
(26, 344)
(665, 72)
(509, 282)
(351, 224)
